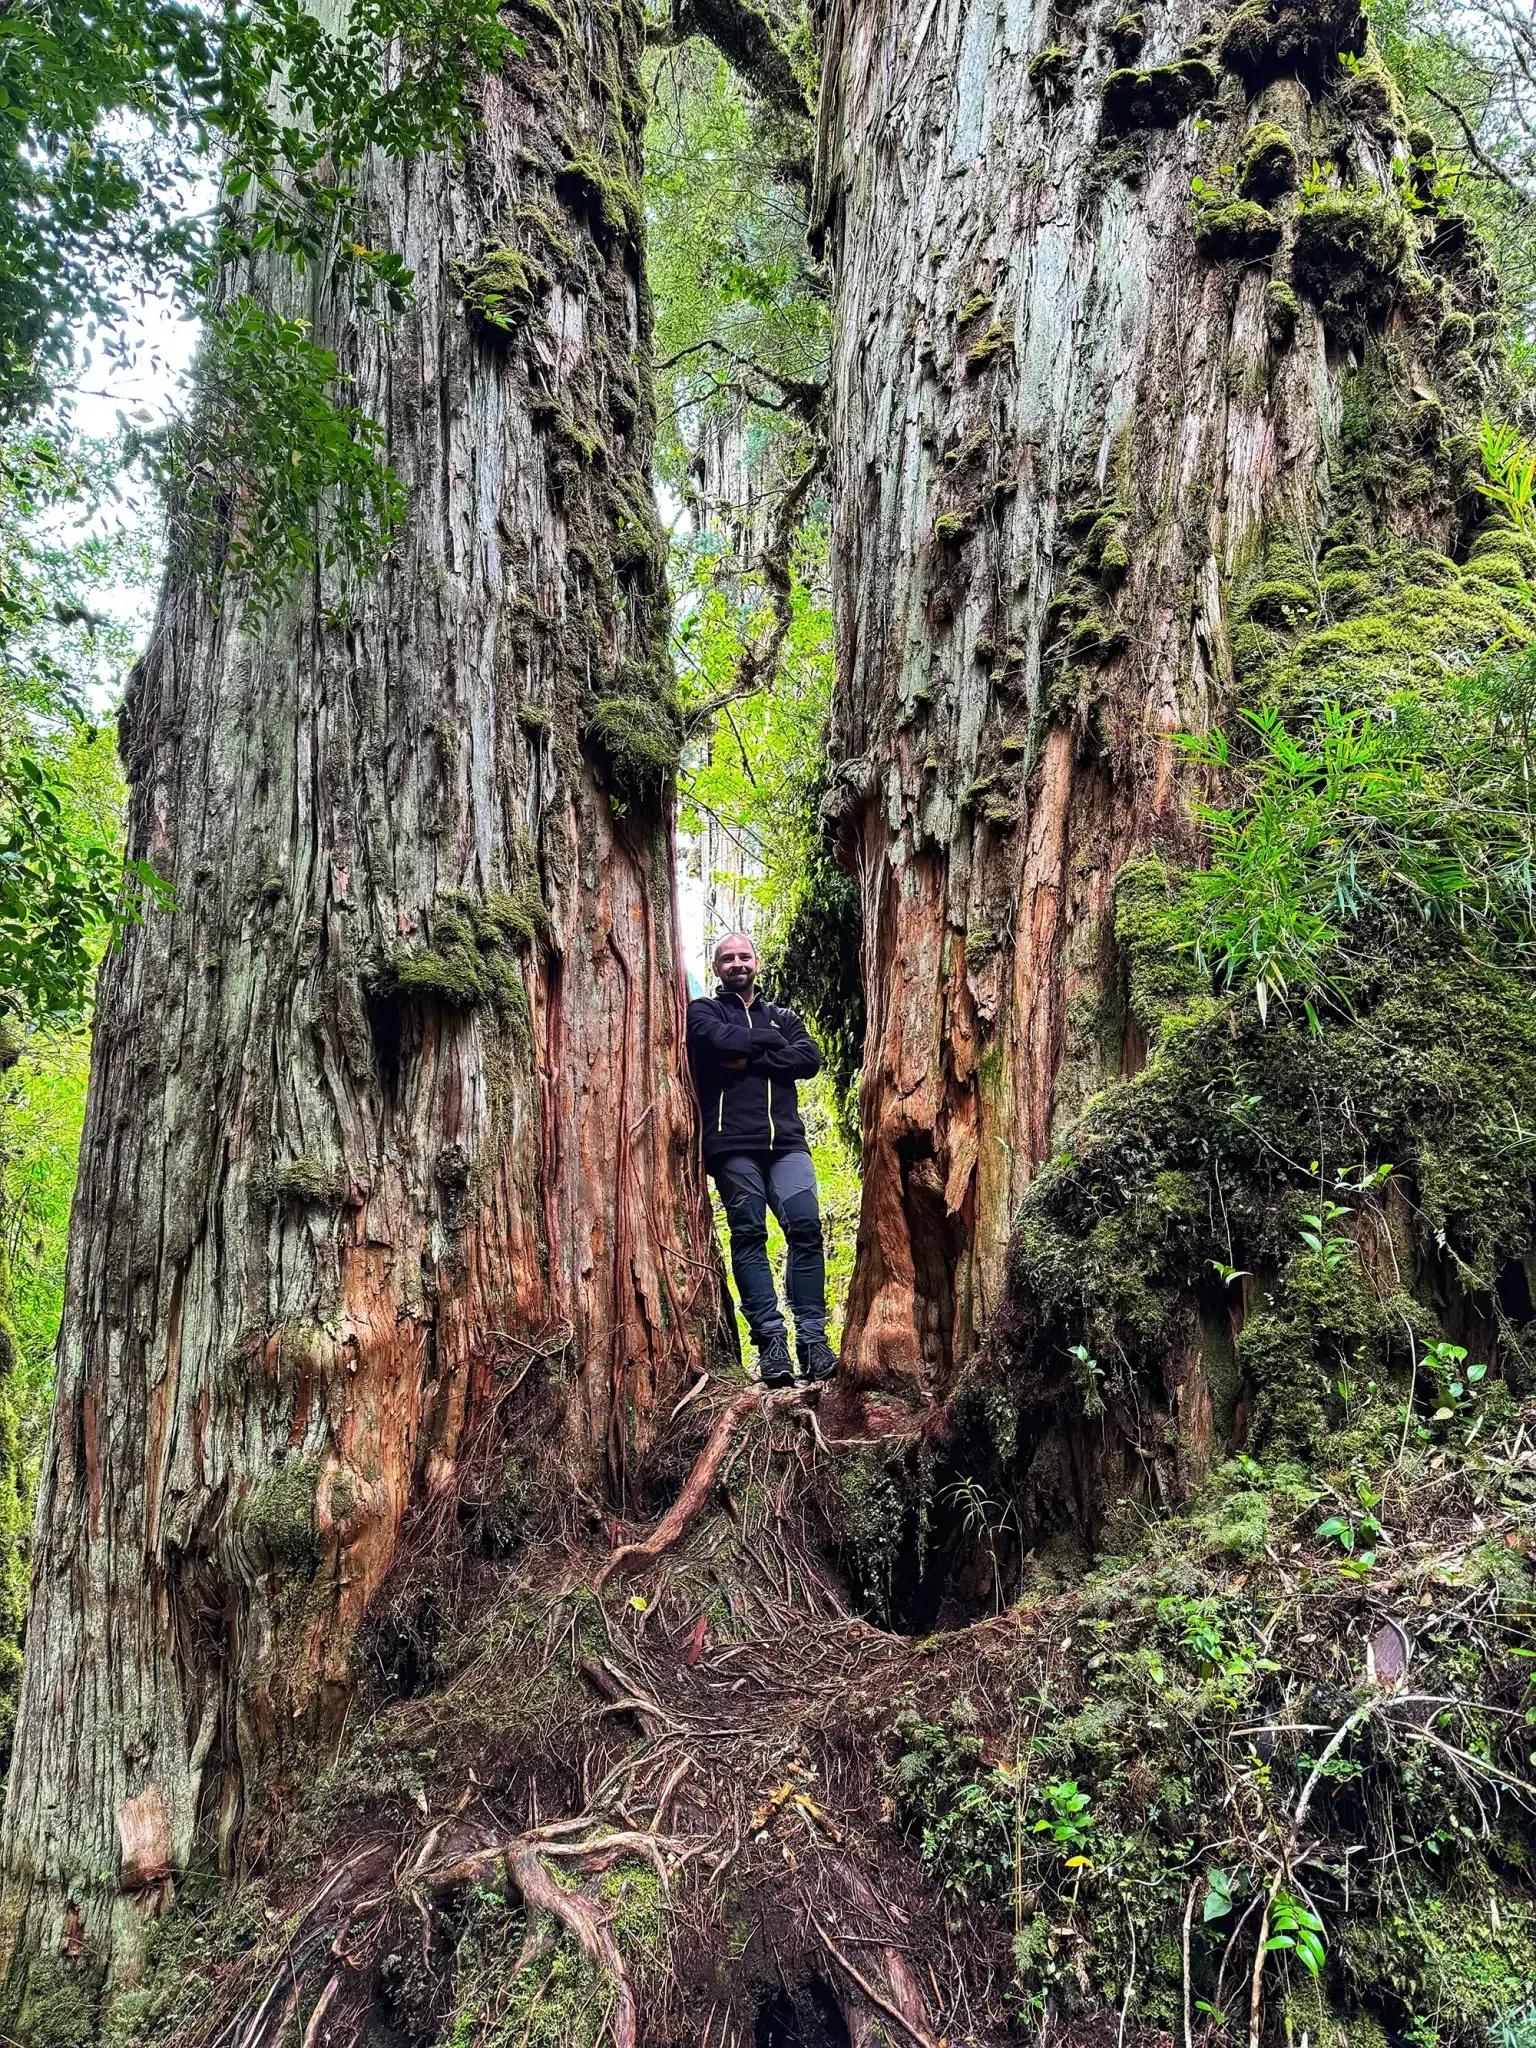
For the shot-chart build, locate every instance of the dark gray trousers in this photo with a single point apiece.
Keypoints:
(750, 1184)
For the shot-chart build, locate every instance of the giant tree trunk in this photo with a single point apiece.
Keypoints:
(1060, 433)
(394, 1098)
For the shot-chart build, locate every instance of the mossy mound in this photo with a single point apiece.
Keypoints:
(1127, 34)
(1268, 39)
(1159, 98)
(1281, 312)
(639, 741)
(1236, 231)
(1266, 164)
(1050, 70)
(603, 189)
(471, 958)
(1350, 250)
(502, 288)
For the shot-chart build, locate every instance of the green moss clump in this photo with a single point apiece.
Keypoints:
(1505, 569)
(1282, 310)
(606, 193)
(1346, 591)
(1266, 39)
(1162, 974)
(58, 2008)
(1403, 642)
(985, 351)
(1114, 561)
(639, 741)
(1266, 165)
(1370, 96)
(501, 287)
(277, 1520)
(1158, 98)
(974, 307)
(1350, 248)
(1236, 231)
(1280, 602)
(471, 958)
(1127, 33)
(304, 1181)
(1048, 71)
(1457, 331)
(1499, 541)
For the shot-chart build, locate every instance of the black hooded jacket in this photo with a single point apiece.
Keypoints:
(753, 1109)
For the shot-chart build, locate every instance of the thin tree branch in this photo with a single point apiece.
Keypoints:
(1479, 155)
(745, 38)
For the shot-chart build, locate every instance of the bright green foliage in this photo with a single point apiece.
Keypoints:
(1295, 1926)
(740, 326)
(963, 1815)
(41, 1111)
(1509, 475)
(1358, 828)
(266, 448)
(107, 114)
(64, 890)
(61, 891)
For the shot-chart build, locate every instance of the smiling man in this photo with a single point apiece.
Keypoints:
(747, 1054)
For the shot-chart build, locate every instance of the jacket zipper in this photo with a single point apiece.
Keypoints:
(771, 1138)
(720, 1120)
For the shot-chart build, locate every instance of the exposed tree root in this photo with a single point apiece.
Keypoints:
(739, 1770)
(695, 1492)
(876, 1998)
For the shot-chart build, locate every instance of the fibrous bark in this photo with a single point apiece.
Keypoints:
(394, 1096)
(1068, 409)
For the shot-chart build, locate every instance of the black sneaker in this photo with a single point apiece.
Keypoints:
(818, 1361)
(774, 1365)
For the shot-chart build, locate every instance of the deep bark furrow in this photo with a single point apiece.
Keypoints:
(1027, 339)
(371, 1109)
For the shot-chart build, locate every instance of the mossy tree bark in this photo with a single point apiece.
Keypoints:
(394, 1098)
(1072, 406)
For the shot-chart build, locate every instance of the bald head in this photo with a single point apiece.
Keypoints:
(736, 962)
